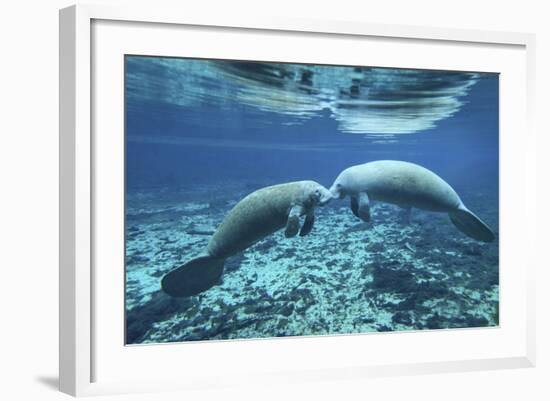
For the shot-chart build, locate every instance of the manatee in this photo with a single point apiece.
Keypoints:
(409, 186)
(256, 216)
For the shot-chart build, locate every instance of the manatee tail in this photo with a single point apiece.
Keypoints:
(193, 277)
(471, 225)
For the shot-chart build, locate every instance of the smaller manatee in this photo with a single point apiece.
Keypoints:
(256, 216)
(407, 185)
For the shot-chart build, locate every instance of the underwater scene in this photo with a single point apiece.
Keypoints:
(276, 199)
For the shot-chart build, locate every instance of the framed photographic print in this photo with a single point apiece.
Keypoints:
(290, 200)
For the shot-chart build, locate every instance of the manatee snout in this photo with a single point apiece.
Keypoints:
(325, 196)
(316, 194)
(336, 191)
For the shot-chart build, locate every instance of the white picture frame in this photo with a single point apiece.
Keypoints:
(80, 157)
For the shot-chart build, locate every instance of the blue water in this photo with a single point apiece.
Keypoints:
(202, 134)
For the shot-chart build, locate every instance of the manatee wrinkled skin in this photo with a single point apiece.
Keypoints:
(260, 214)
(256, 216)
(407, 185)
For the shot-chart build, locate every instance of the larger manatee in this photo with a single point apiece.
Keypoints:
(407, 185)
(256, 216)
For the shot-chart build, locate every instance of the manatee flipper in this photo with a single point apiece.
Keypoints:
(363, 210)
(193, 277)
(354, 205)
(308, 224)
(293, 222)
(471, 225)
